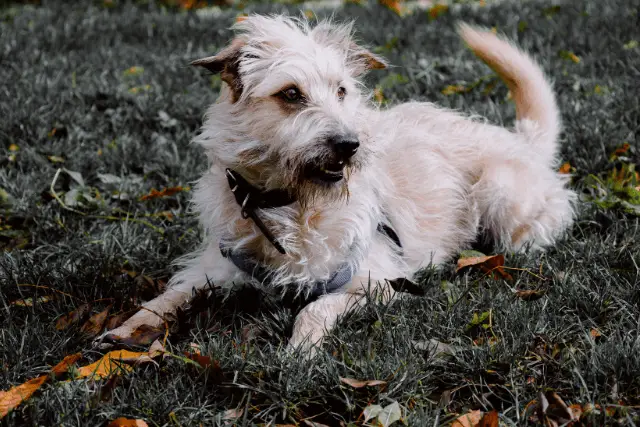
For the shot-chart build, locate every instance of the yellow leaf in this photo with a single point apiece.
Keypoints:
(16, 395)
(28, 302)
(13, 148)
(55, 159)
(631, 45)
(113, 363)
(453, 89)
(65, 364)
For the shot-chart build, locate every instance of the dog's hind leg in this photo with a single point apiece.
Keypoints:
(207, 268)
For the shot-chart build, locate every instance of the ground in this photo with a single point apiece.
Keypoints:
(98, 106)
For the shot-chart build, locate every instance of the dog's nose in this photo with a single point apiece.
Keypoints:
(345, 146)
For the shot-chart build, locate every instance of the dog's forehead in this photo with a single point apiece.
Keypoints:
(302, 61)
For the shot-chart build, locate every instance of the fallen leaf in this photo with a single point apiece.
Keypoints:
(133, 71)
(204, 361)
(165, 192)
(489, 264)
(632, 44)
(69, 319)
(65, 364)
(453, 89)
(95, 324)
(371, 411)
(232, 414)
(576, 410)
(13, 148)
(16, 395)
(55, 159)
(489, 419)
(118, 319)
(390, 414)
(211, 366)
(126, 422)
(470, 419)
(570, 56)
(565, 168)
(530, 294)
(361, 383)
(113, 363)
(29, 302)
(552, 410)
(394, 5)
(241, 18)
(156, 349)
(142, 336)
(436, 10)
(595, 333)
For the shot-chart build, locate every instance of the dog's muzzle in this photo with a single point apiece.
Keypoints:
(331, 169)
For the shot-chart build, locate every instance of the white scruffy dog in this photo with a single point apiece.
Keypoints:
(310, 186)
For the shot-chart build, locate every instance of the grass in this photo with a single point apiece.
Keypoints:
(71, 99)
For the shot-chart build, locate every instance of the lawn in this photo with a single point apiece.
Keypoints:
(97, 108)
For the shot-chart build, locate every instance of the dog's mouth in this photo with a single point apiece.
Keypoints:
(328, 173)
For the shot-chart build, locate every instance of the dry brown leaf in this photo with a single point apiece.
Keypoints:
(394, 5)
(126, 422)
(212, 367)
(488, 264)
(530, 294)
(165, 192)
(489, 419)
(576, 410)
(118, 319)
(74, 317)
(361, 383)
(595, 333)
(16, 395)
(204, 361)
(65, 364)
(95, 324)
(437, 10)
(470, 419)
(142, 336)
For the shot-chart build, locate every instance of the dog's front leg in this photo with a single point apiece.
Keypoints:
(207, 267)
(319, 317)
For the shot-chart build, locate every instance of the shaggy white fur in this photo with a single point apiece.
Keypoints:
(439, 177)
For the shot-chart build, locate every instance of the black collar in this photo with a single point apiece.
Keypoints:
(251, 198)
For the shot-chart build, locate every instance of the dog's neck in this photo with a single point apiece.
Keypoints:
(251, 198)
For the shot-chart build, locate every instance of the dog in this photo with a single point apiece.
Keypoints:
(312, 187)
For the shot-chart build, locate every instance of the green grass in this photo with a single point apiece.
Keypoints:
(64, 67)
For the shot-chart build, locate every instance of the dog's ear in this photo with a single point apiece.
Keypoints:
(226, 64)
(363, 60)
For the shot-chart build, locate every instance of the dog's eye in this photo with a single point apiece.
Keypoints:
(342, 92)
(291, 94)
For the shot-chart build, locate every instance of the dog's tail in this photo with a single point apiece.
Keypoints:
(532, 93)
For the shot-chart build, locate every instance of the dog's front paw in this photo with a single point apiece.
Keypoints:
(141, 329)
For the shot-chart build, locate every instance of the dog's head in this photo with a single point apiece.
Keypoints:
(293, 101)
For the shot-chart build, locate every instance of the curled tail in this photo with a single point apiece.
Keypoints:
(536, 108)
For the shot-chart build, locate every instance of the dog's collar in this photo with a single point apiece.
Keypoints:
(340, 277)
(251, 198)
(262, 273)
